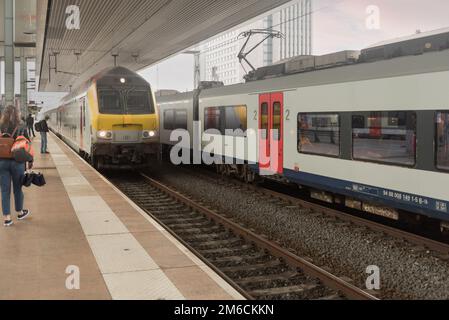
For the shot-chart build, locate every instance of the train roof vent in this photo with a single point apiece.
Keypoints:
(304, 64)
(337, 59)
(300, 64)
(163, 93)
(417, 44)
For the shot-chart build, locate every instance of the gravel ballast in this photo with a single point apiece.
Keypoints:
(407, 272)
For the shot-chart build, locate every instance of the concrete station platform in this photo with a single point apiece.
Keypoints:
(80, 220)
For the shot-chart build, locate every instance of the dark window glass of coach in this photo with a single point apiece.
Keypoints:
(443, 140)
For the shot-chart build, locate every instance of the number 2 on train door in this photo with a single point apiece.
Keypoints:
(271, 134)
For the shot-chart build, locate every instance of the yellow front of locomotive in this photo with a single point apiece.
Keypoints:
(124, 121)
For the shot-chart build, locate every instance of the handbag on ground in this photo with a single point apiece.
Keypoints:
(34, 178)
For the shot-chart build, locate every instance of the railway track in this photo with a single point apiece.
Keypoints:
(256, 267)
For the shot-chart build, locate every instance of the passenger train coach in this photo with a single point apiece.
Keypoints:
(111, 120)
(371, 133)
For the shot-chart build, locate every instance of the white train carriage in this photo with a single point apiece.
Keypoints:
(373, 136)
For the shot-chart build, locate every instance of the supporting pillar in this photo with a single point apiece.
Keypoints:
(23, 83)
(197, 70)
(9, 52)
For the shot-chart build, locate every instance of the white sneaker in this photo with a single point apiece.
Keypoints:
(8, 223)
(24, 214)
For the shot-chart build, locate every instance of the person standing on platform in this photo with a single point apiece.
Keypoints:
(10, 170)
(44, 135)
(30, 125)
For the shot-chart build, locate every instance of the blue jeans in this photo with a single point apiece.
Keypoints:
(11, 171)
(43, 142)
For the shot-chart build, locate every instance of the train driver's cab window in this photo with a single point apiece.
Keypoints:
(442, 142)
(139, 102)
(110, 101)
(319, 134)
(385, 137)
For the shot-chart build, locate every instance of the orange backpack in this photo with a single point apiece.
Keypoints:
(22, 150)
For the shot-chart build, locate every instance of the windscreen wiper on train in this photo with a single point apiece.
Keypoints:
(125, 98)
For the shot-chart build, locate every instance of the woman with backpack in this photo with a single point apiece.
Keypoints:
(12, 171)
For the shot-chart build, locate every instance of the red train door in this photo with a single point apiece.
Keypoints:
(271, 133)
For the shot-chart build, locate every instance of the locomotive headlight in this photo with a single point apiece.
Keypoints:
(107, 135)
(149, 134)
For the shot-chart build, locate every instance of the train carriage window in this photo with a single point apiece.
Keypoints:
(212, 119)
(226, 119)
(84, 113)
(442, 143)
(169, 119)
(175, 119)
(235, 120)
(397, 119)
(319, 134)
(264, 120)
(181, 119)
(358, 122)
(385, 137)
(277, 120)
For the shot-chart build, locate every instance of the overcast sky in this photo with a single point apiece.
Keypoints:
(338, 25)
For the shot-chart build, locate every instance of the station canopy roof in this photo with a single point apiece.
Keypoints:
(141, 32)
(24, 28)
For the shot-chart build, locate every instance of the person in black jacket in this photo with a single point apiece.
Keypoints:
(10, 170)
(30, 125)
(44, 132)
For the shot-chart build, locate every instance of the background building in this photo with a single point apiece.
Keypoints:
(295, 22)
(219, 62)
